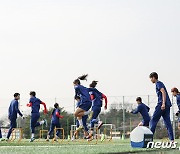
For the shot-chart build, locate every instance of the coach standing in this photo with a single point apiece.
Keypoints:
(162, 108)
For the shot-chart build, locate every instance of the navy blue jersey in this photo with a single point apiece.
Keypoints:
(97, 101)
(160, 85)
(35, 104)
(14, 109)
(55, 118)
(143, 110)
(83, 93)
(178, 101)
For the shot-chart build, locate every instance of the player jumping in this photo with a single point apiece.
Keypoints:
(85, 100)
(97, 102)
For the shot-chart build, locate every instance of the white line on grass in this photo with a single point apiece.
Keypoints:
(65, 146)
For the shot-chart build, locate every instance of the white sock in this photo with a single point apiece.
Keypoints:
(86, 113)
(32, 136)
(41, 122)
(80, 122)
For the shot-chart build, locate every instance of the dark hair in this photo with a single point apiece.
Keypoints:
(33, 93)
(139, 99)
(56, 105)
(83, 77)
(16, 94)
(153, 74)
(175, 90)
(77, 97)
(93, 84)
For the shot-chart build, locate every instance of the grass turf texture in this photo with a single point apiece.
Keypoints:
(76, 147)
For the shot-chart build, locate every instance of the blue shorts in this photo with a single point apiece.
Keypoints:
(85, 106)
(179, 119)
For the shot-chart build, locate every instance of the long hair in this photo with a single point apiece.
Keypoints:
(93, 84)
(83, 77)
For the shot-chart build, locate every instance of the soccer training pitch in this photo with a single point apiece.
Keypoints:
(75, 147)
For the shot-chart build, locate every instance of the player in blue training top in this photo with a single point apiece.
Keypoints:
(35, 103)
(85, 100)
(13, 111)
(176, 93)
(97, 102)
(84, 120)
(143, 110)
(55, 122)
(163, 106)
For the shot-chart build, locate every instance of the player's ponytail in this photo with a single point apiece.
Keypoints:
(83, 77)
(93, 84)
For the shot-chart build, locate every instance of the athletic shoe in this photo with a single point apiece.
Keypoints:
(32, 139)
(48, 138)
(100, 124)
(73, 138)
(90, 115)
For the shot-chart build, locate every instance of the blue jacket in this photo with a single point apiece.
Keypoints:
(35, 104)
(14, 110)
(83, 93)
(97, 101)
(160, 85)
(54, 118)
(143, 110)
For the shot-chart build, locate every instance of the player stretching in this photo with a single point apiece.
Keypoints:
(176, 94)
(85, 100)
(97, 101)
(55, 122)
(143, 110)
(162, 108)
(34, 103)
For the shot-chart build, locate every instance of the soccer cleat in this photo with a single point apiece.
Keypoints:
(100, 124)
(48, 138)
(79, 128)
(32, 139)
(73, 138)
(45, 122)
(90, 115)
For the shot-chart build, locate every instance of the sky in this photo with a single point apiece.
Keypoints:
(46, 44)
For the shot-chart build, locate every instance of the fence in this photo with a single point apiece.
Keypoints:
(123, 122)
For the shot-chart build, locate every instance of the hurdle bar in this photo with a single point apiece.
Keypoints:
(41, 133)
(61, 130)
(14, 134)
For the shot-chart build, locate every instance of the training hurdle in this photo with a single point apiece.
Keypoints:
(17, 133)
(41, 134)
(63, 136)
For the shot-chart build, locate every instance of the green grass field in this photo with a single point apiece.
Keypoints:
(76, 147)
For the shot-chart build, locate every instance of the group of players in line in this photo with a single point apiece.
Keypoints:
(85, 97)
(88, 98)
